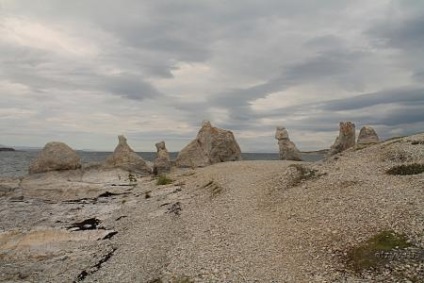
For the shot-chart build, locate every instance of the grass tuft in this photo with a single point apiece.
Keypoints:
(365, 256)
(303, 173)
(406, 169)
(163, 180)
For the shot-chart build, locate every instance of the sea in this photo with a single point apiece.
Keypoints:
(16, 163)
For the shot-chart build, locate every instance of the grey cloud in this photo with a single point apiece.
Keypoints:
(325, 43)
(130, 86)
(330, 66)
(245, 41)
(399, 96)
(41, 70)
(406, 35)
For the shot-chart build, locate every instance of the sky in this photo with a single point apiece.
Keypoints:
(85, 71)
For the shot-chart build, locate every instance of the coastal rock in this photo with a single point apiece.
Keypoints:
(162, 163)
(124, 157)
(367, 135)
(346, 138)
(287, 149)
(212, 145)
(55, 156)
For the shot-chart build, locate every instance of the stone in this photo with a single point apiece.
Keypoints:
(367, 136)
(162, 163)
(287, 149)
(125, 158)
(212, 145)
(55, 156)
(346, 138)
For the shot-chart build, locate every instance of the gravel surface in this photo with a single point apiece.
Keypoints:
(265, 221)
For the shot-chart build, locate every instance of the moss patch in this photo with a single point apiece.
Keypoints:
(406, 169)
(365, 256)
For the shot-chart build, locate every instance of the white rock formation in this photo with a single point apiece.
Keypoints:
(346, 138)
(212, 145)
(287, 149)
(55, 156)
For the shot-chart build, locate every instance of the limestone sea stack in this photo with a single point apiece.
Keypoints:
(212, 145)
(55, 156)
(125, 158)
(287, 149)
(367, 136)
(162, 163)
(346, 138)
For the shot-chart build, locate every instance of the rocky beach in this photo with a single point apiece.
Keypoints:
(239, 221)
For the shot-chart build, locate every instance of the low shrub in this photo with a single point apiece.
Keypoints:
(406, 169)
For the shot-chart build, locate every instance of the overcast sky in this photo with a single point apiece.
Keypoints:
(85, 71)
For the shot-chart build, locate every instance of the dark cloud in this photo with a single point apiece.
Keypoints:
(398, 96)
(130, 86)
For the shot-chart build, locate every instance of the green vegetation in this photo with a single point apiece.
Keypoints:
(365, 256)
(406, 169)
(417, 142)
(303, 173)
(214, 188)
(395, 138)
(180, 279)
(163, 180)
(183, 279)
(132, 178)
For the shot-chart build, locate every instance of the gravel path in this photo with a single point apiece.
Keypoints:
(267, 221)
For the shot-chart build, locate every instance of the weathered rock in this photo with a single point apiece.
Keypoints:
(55, 156)
(367, 135)
(162, 163)
(124, 157)
(212, 145)
(346, 138)
(287, 149)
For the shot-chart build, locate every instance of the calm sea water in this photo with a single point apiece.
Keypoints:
(15, 163)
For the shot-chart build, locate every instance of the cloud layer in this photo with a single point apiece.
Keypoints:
(85, 71)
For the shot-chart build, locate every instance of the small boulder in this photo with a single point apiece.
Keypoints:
(212, 145)
(367, 136)
(287, 149)
(346, 138)
(55, 156)
(125, 158)
(162, 163)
